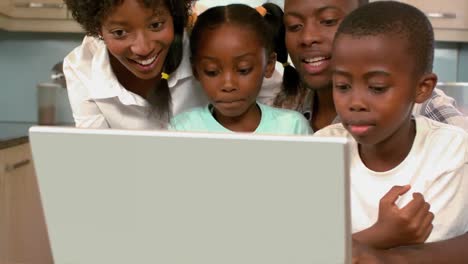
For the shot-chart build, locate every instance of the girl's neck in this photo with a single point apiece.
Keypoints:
(323, 112)
(129, 81)
(388, 154)
(247, 122)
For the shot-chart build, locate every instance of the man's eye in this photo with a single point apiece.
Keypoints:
(329, 22)
(294, 28)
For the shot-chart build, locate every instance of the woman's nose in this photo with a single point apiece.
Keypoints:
(142, 45)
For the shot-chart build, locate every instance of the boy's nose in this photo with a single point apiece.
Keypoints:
(357, 102)
(142, 45)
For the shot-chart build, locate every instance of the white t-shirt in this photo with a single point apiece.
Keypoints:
(435, 167)
(98, 100)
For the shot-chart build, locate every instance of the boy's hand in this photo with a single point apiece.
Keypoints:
(411, 224)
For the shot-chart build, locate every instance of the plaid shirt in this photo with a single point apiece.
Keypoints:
(439, 107)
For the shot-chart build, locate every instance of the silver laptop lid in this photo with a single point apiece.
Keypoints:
(113, 196)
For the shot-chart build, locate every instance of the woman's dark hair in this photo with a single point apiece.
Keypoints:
(91, 13)
(270, 30)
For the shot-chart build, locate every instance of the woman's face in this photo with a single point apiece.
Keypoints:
(139, 37)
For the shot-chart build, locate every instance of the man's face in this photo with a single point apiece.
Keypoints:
(310, 29)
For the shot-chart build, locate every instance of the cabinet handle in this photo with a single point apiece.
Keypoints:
(40, 5)
(442, 15)
(17, 165)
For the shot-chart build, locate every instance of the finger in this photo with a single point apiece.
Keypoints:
(422, 213)
(413, 207)
(391, 196)
(427, 223)
(428, 232)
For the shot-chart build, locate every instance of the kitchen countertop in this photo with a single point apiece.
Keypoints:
(14, 133)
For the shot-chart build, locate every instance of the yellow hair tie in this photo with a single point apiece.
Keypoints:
(191, 20)
(261, 10)
(286, 64)
(164, 76)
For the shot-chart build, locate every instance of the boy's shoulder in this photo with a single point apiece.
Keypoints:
(334, 130)
(432, 128)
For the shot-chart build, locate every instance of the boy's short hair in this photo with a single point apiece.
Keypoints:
(395, 19)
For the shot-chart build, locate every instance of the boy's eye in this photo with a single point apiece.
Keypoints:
(329, 22)
(378, 89)
(245, 71)
(156, 25)
(119, 33)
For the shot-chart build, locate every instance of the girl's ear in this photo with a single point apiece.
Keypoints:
(270, 67)
(425, 87)
(194, 69)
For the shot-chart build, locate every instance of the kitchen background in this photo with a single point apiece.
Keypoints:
(26, 59)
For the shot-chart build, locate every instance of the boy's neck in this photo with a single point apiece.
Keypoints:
(390, 153)
(323, 112)
(247, 122)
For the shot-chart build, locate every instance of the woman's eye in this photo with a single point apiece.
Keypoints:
(119, 33)
(378, 89)
(156, 25)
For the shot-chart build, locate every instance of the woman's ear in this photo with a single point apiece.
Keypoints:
(270, 67)
(426, 85)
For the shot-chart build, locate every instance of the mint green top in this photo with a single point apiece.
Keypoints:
(273, 121)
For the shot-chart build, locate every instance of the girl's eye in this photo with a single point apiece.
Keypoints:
(210, 73)
(119, 33)
(156, 25)
(329, 22)
(245, 71)
(342, 87)
(293, 28)
(378, 89)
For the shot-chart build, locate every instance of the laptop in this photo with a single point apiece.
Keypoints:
(114, 196)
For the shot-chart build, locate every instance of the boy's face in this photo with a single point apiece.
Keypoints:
(310, 29)
(230, 64)
(375, 86)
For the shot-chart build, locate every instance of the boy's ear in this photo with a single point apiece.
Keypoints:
(270, 67)
(426, 85)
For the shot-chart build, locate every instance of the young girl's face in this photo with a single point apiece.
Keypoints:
(230, 64)
(139, 37)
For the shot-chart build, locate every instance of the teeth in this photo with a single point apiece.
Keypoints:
(146, 62)
(316, 59)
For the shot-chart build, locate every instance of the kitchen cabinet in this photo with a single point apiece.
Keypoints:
(23, 233)
(449, 18)
(37, 16)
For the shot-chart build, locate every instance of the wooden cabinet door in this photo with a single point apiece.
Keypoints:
(451, 14)
(25, 239)
(44, 9)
